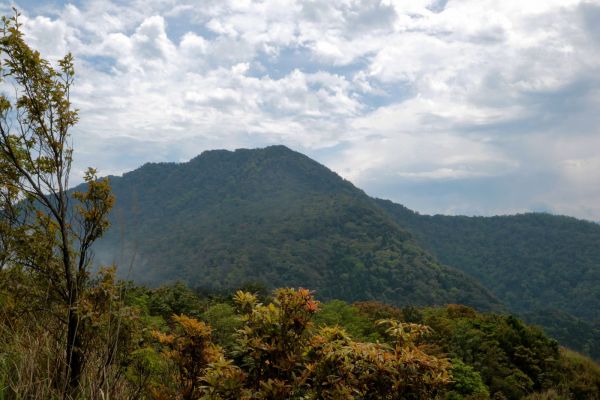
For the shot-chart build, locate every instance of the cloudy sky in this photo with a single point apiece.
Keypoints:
(474, 107)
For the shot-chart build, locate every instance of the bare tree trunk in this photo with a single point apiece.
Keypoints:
(75, 356)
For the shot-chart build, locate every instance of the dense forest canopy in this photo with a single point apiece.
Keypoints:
(541, 266)
(529, 261)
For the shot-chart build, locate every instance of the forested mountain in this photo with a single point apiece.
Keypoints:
(277, 217)
(543, 267)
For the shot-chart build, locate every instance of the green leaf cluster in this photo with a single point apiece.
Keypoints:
(280, 354)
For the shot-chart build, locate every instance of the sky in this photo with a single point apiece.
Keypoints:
(472, 107)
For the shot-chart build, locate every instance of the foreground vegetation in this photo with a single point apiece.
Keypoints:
(172, 343)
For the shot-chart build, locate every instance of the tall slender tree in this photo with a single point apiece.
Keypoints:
(45, 230)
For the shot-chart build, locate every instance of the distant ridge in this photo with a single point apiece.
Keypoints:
(544, 267)
(529, 260)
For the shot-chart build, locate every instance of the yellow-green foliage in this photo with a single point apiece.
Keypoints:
(189, 350)
(46, 233)
(338, 312)
(225, 322)
(280, 355)
(581, 376)
(467, 382)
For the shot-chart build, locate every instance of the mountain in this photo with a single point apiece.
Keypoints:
(544, 267)
(277, 217)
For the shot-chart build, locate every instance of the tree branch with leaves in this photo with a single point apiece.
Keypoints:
(44, 229)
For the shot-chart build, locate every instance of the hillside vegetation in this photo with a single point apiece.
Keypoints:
(542, 266)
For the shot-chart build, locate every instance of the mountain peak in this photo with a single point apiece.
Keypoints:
(278, 149)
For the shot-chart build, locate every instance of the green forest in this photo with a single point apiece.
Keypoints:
(543, 267)
(249, 232)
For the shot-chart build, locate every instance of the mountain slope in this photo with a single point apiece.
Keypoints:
(275, 216)
(544, 267)
(529, 261)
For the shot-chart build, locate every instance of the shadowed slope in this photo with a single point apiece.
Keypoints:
(543, 267)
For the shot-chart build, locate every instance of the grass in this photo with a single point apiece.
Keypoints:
(2, 378)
